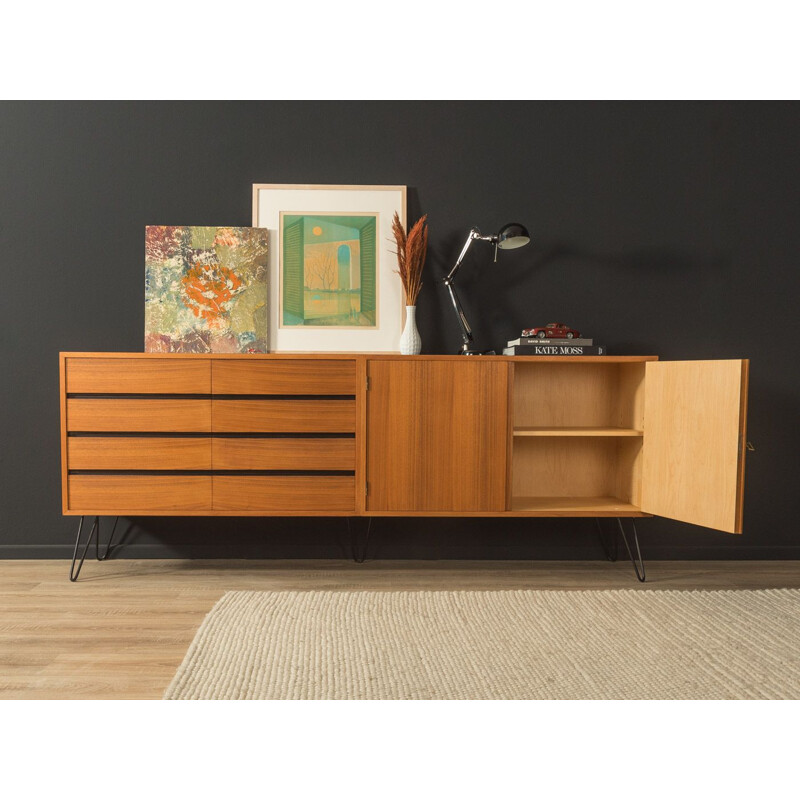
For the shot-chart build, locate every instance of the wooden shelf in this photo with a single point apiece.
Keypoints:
(575, 506)
(576, 431)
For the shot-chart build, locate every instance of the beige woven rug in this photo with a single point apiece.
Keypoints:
(496, 645)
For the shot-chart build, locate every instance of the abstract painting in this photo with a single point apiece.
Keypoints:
(329, 270)
(205, 289)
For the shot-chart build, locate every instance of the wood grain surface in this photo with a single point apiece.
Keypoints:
(139, 494)
(106, 415)
(283, 416)
(578, 394)
(272, 494)
(136, 375)
(127, 452)
(437, 436)
(289, 454)
(694, 442)
(284, 377)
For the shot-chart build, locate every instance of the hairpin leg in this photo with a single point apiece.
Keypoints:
(110, 541)
(638, 562)
(359, 554)
(610, 545)
(73, 572)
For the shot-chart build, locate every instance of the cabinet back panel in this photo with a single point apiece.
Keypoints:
(577, 467)
(628, 474)
(578, 394)
(629, 399)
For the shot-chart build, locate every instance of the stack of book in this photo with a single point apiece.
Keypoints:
(533, 346)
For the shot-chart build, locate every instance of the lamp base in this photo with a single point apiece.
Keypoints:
(466, 350)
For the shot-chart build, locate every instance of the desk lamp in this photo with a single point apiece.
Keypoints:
(510, 237)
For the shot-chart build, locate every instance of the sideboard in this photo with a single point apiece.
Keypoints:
(363, 435)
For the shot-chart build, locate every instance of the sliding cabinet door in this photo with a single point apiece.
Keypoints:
(437, 435)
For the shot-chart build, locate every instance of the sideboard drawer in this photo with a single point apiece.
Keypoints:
(139, 494)
(284, 454)
(283, 416)
(303, 376)
(138, 415)
(133, 375)
(276, 494)
(133, 452)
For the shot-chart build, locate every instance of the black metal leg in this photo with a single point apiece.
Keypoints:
(73, 573)
(610, 545)
(110, 541)
(638, 562)
(359, 554)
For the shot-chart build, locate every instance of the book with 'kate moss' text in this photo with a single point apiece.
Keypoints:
(555, 350)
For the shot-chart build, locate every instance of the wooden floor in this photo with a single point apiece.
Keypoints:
(122, 630)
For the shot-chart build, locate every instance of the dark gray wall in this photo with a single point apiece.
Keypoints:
(666, 228)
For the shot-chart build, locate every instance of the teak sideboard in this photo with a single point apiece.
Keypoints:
(382, 435)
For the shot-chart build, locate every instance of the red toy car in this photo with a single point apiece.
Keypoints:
(553, 330)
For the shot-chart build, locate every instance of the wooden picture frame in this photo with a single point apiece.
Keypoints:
(352, 301)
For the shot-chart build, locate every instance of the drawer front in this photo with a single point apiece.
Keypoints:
(284, 454)
(138, 376)
(270, 494)
(126, 452)
(138, 415)
(283, 416)
(304, 376)
(139, 494)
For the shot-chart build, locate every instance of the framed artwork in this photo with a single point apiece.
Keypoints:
(333, 267)
(205, 289)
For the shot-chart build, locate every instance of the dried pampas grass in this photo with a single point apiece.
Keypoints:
(411, 252)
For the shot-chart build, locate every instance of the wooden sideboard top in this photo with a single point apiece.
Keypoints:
(372, 356)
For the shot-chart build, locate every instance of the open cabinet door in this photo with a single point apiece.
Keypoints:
(694, 441)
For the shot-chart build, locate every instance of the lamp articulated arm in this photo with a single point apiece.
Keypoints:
(474, 235)
(466, 331)
(509, 237)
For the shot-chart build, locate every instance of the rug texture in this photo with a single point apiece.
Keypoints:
(496, 645)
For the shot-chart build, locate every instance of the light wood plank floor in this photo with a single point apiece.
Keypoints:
(122, 630)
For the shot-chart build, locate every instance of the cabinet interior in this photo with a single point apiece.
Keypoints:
(577, 431)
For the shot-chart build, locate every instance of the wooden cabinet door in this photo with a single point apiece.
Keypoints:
(437, 435)
(694, 441)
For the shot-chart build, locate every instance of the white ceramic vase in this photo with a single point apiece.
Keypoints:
(410, 343)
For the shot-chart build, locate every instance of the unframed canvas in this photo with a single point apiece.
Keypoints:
(205, 289)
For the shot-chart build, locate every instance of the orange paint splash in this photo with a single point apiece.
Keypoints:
(208, 290)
